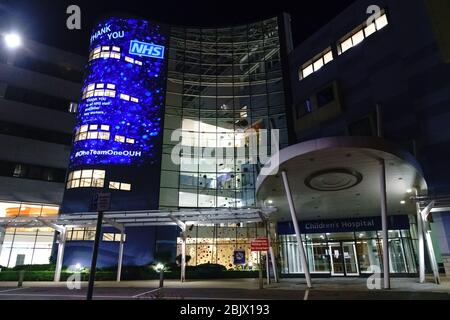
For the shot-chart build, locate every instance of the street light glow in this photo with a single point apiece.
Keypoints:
(13, 40)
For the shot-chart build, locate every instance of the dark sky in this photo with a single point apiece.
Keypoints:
(45, 20)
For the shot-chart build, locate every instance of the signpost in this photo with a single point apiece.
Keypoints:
(258, 245)
(100, 202)
(239, 257)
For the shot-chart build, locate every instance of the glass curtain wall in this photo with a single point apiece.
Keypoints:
(348, 253)
(24, 246)
(222, 84)
(216, 244)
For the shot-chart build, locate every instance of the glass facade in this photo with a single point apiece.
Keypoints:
(222, 83)
(217, 244)
(348, 253)
(25, 246)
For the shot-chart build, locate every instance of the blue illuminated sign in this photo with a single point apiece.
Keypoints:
(146, 49)
(119, 118)
(399, 222)
(239, 257)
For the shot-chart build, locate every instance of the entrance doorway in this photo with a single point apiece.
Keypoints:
(343, 258)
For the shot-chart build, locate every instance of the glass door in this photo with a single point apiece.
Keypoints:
(336, 259)
(350, 259)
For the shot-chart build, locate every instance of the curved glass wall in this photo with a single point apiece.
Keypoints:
(222, 83)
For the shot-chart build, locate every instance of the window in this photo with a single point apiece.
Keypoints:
(62, 71)
(86, 179)
(30, 171)
(119, 139)
(303, 108)
(120, 186)
(24, 131)
(82, 133)
(325, 96)
(98, 90)
(360, 33)
(105, 52)
(126, 97)
(81, 234)
(316, 63)
(113, 237)
(35, 98)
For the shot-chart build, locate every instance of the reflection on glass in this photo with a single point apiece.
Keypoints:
(368, 253)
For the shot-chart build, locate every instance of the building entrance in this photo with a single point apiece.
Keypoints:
(343, 258)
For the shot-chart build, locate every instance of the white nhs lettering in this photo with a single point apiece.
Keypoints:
(146, 49)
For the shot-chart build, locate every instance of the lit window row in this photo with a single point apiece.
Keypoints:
(315, 64)
(350, 40)
(123, 139)
(120, 186)
(131, 60)
(99, 90)
(105, 52)
(88, 132)
(113, 237)
(126, 97)
(361, 33)
(86, 179)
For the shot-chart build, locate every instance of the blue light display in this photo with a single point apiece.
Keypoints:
(146, 49)
(119, 118)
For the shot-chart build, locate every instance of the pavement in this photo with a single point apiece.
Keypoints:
(231, 289)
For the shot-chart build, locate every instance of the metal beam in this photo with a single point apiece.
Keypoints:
(115, 224)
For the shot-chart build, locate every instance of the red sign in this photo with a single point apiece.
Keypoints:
(260, 244)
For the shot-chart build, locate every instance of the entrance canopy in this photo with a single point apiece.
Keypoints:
(339, 177)
(142, 218)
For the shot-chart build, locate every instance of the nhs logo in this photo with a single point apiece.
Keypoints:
(146, 49)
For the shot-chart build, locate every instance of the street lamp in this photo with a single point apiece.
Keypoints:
(160, 268)
(12, 40)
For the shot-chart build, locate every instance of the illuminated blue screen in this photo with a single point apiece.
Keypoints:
(119, 117)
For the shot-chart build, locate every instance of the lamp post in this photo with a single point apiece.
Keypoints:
(12, 40)
(160, 268)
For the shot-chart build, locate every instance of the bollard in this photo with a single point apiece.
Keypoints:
(21, 277)
(161, 278)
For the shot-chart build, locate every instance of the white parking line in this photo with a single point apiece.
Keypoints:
(143, 294)
(8, 290)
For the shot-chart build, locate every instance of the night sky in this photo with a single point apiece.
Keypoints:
(45, 20)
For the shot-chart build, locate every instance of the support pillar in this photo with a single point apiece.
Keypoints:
(421, 243)
(301, 249)
(60, 256)
(120, 261)
(426, 229)
(272, 254)
(384, 223)
(98, 233)
(183, 255)
(2, 238)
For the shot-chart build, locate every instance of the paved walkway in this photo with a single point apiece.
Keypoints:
(319, 284)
